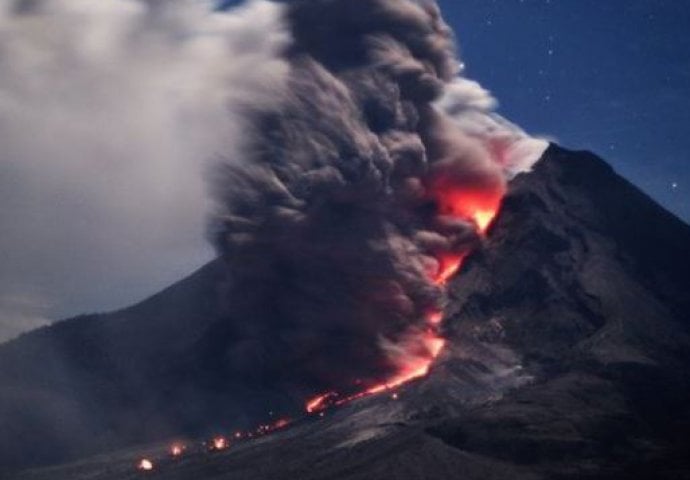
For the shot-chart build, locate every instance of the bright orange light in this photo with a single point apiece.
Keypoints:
(220, 443)
(321, 402)
(435, 318)
(416, 367)
(479, 206)
(413, 368)
(448, 265)
(282, 423)
(145, 464)
(177, 449)
(483, 218)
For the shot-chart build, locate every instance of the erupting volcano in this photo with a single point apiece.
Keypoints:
(356, 195)
(354, 207)
(444, 295)
(477, 208)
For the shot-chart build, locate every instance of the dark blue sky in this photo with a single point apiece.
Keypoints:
(612, 76)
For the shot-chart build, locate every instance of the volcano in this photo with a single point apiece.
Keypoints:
(567, 356)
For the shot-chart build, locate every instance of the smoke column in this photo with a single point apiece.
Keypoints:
(357, 197)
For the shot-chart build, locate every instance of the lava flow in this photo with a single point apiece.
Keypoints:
(448, 265)
(479, 209)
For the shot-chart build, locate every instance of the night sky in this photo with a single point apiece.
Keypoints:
(609, 76)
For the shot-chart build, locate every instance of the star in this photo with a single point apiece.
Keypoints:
(674, 185)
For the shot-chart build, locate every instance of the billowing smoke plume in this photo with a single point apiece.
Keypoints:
(108, 111)
(358, 195)
(472, 109)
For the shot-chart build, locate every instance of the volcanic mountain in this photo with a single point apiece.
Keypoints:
(567, 356)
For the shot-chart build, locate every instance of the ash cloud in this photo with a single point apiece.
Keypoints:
(109, 110)
(473, 109)
(335, 222)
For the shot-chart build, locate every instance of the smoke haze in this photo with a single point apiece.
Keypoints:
(109, 111)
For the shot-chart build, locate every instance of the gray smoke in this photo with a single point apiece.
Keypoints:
(333, 222)
(109, 110)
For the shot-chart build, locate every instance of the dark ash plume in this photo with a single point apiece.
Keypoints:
(335, 225)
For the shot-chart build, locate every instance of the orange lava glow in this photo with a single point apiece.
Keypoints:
(483, 218)
(282, 423)
(448, 265)
(219, 443)
(479, 207)
(177, 449)
(145, 464)
(320, 402)
(414, 369)
(434, 318)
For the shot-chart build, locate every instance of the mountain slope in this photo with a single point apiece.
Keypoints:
(568, 357)
(589, 280)
(72, 384)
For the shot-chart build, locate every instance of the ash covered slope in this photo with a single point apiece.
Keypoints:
(96, 381)
(568, 357)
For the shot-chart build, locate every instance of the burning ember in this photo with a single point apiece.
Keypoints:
(145, 465)
(219, 443)
(177, 449)
(282, 423)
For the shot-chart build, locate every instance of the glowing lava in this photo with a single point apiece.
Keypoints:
(479, 207)
(219, 443)
(448, 265)
(321, 402)
(282, 423)
(435, 317)
(412, 369)
(415, 367)
(483, 218)
(177, 449)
